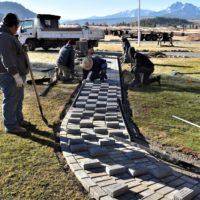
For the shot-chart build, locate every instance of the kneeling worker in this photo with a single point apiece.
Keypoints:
(143, 66)
(94, 67)
(65, 61)
(13, 71)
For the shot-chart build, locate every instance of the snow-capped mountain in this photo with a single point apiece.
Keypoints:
(186, 11)
(178, 10)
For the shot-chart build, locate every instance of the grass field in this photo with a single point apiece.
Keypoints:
(150, 46)
(29, 168)
(153, 106)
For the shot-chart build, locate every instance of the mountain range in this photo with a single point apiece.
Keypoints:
(21, 11)
(177, 10)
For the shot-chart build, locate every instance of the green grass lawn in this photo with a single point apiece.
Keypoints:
(153, 106)
(29, 168)
(152, 46)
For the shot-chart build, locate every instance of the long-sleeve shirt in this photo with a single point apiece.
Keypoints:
(12, 55)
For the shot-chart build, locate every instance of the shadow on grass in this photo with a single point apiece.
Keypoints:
(44, 138)
(173, 84)
(169, 65)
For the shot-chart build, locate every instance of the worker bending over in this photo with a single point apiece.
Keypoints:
(94, 67)
(143, 69)
(126, 46)
(65, 61)
(13, 71)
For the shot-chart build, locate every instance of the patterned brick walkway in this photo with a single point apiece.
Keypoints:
(109, 169)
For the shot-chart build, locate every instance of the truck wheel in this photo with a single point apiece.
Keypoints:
(154, 37)
(148, 37)
(31, 45)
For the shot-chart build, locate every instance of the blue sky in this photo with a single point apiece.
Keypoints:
(76, 9)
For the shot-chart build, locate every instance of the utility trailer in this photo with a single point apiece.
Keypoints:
(44, 32)
(145, 35)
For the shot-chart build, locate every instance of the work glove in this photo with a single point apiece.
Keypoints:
(18, 80)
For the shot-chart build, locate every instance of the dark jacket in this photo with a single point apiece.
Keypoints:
(126, 45)
(96, 69)
(66, 56)
(142, 61)
(12, 55)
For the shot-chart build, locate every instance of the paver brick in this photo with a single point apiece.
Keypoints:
(113, 124)
(85, 123)
(78, 148)
(97, 193)
(135, 155)
(73, 141)
(116, 190)
(87, 183)
(73, 130)
(138, 171)
(90, 164)
(113, 133)
(74, 120)
(184, 194)
(161, 171)
(97, 152)
(89, 136)
(101, 130)
(106, 142)
(165, 190)
(115, 169)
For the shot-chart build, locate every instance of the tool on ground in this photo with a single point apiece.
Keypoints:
(186, 121)
(180, 73)
(36, 92)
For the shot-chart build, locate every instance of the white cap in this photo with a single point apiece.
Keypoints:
(87, 63)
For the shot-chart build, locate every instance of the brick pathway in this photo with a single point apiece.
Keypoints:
(109, 169)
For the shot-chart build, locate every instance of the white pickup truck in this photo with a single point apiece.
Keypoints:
(44, 31)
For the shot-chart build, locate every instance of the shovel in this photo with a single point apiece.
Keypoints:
(36, 92)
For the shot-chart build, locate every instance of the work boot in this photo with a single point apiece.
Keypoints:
(18, 129)
(24, 123)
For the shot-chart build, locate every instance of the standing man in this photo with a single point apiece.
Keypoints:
(65, 61)
(143, 67)
(126, 46)
(13, 71)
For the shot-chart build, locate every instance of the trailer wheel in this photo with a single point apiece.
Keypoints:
(148, 37)
(154, 37)
(31, 45)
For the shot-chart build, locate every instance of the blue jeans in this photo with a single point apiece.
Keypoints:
(12, 101)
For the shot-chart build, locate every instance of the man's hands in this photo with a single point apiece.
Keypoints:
(18, 80)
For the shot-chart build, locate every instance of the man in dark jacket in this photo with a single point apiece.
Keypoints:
(144, 67)
(126, 46)
(65, 61)
(94, 67)
(13, 71)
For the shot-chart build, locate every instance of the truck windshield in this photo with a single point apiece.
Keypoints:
(27, 25)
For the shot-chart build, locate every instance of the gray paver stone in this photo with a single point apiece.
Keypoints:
(73, 141)
(90, 164)
(113, 124)
(97, 152)
(184, 194)
(138, 171)
(115, 169)
(106, 142)
(161, 171)
(78, 148)
(101, 130)
(116, 190)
